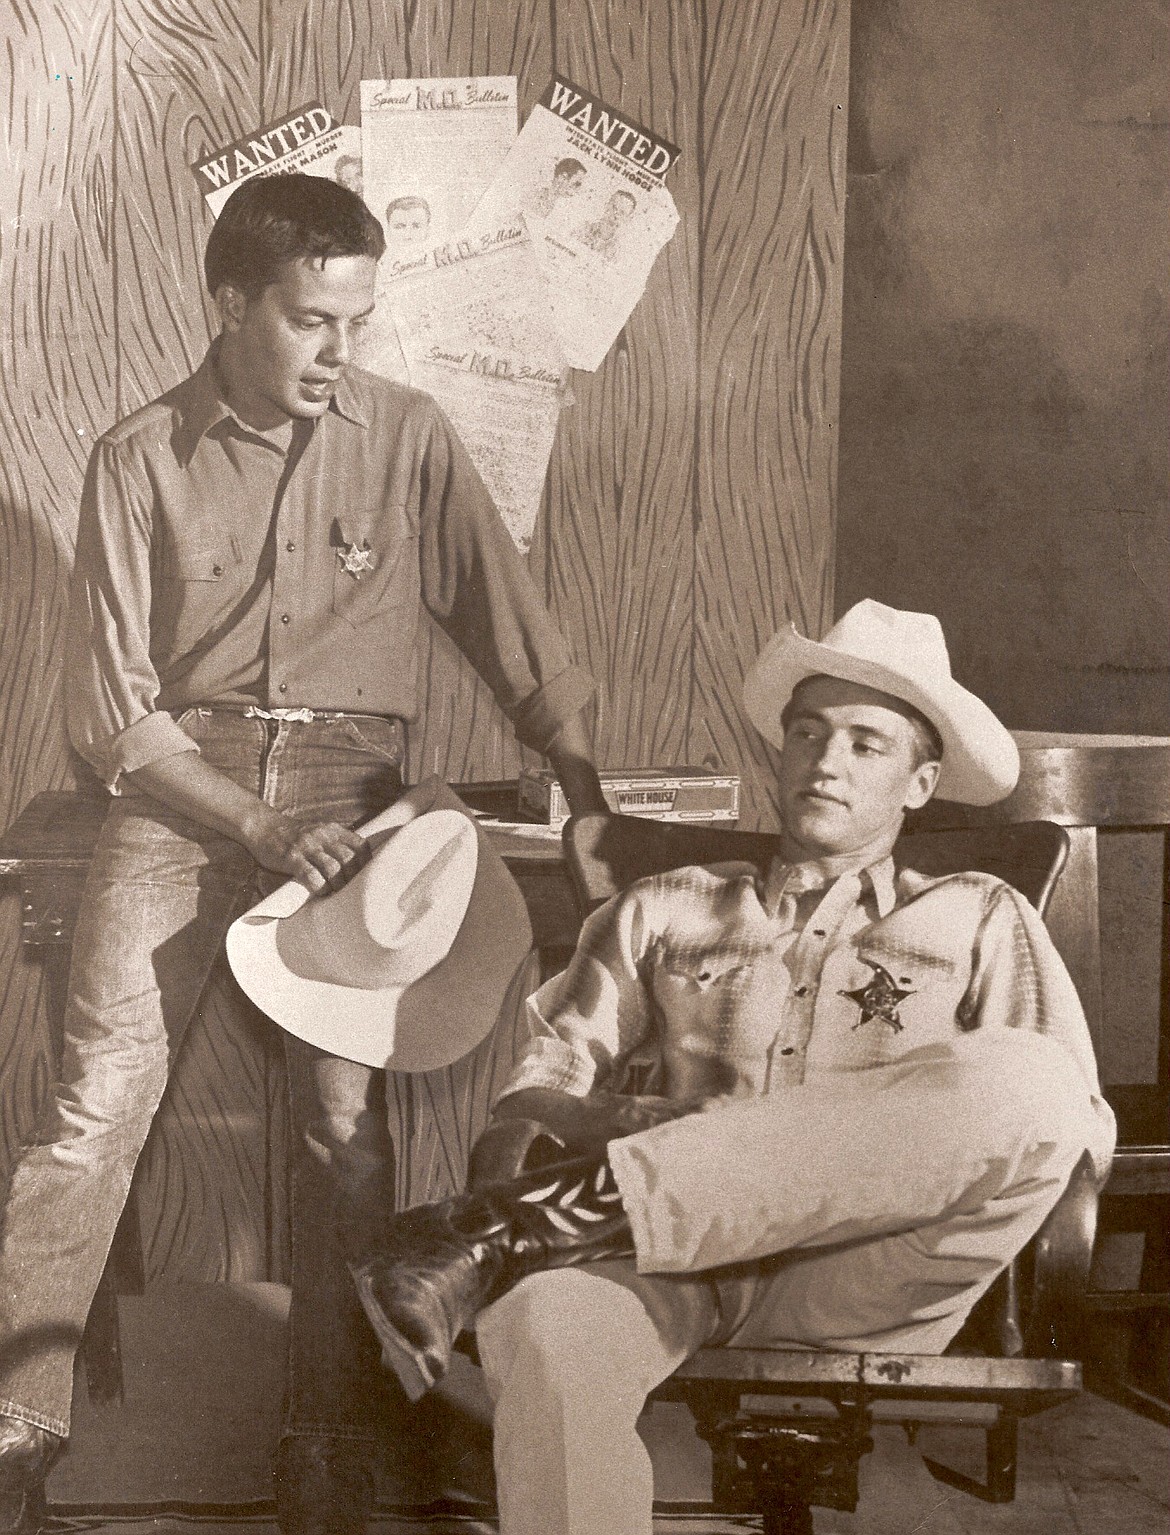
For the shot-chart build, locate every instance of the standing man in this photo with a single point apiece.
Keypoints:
(252, 554)
(870, 1088)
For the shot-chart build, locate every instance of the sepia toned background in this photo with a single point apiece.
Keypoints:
(988, 362)
(689, 507)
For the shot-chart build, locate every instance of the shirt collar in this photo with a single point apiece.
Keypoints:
(202, 404)
(881, 882)
(351, 398)
(794, 879)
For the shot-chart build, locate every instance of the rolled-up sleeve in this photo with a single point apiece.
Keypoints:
(476, 586)
(586, 1020)
(110, 681)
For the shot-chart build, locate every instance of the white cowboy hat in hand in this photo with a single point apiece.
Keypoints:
(408, 964)
(900, 653)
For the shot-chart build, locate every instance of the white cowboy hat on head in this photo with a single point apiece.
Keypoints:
(406, 966)
(903, 654)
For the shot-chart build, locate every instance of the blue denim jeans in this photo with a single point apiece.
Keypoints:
(161, 893)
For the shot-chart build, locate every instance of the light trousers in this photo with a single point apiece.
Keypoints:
(865, 1211)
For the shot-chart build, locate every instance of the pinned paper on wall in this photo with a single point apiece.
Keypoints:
(429, 150)
(306, 139)
(588, 182)
(476, 334)
(510, 258)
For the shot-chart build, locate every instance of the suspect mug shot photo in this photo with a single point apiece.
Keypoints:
(408, 219)
(566, 182)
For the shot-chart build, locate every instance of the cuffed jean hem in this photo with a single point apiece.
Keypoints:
(30, 1415)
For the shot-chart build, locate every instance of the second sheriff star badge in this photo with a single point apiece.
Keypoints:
(355, 559)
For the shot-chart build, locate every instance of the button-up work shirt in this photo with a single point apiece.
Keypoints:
(726, 983)
(218, 564)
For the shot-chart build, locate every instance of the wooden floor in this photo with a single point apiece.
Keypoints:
(201, 1413)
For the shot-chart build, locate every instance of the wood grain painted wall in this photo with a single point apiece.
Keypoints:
(690, 500)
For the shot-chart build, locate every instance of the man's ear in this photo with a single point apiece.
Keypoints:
(231, 305)
(923, 783)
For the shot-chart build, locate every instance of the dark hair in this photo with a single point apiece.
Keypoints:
(928, 746)
(271, 220)
(568, 167)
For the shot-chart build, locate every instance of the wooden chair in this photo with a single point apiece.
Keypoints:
(1009, 1355)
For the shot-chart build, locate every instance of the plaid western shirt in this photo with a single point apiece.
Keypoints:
(713, 981)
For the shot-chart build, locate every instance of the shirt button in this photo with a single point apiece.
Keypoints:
(801, 991)
(285, 619)
(290, 546)
(217, 570)
(282, 688)
(788, 1050)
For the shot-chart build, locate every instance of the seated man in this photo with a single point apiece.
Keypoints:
(871, 1088)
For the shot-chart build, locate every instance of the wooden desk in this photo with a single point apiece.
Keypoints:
(49, 846)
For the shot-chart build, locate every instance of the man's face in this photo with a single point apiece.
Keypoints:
(406, 226)
(284, 350)
(848, 769)
(568, 183)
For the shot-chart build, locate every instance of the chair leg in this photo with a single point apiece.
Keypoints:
(101, 1346)
(791, 1516)
(101, 1342)
(1002, 1451)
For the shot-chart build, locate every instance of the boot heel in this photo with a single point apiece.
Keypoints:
(409, 1364)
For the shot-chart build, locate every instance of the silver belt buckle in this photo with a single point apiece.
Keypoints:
(300, 716)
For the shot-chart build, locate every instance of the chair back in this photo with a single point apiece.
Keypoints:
(605, 853)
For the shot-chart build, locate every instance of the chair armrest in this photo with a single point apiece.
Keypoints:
(1061, 1253)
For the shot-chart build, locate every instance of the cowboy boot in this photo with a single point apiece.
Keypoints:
(509, 1148)
(27, 1454)
(441, 1263)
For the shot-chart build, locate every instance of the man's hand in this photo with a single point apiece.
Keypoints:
(321, 855)
(572, 762)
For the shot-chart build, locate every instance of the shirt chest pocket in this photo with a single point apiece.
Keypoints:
(695, 973)
(375, 575)
(877, 1002)
(696, 986)
(201, 555)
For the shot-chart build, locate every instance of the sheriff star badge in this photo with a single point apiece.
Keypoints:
(355, 559)
(879, 997)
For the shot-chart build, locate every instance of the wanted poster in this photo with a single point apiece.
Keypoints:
(588, 183)
(307, 139)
